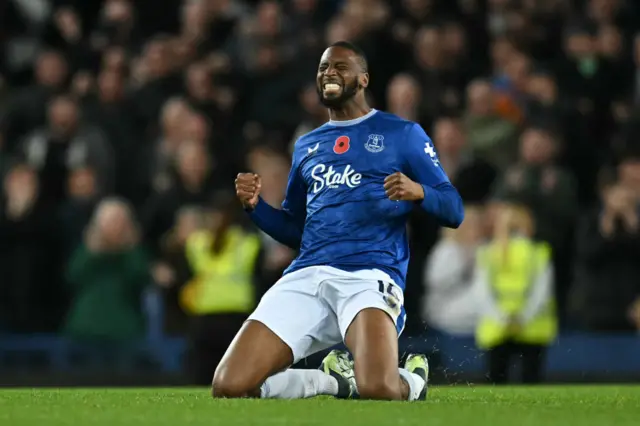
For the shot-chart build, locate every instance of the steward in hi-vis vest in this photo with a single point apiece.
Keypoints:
(514, 278)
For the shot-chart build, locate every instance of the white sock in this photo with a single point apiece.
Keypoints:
(415, 382)
(296, 384)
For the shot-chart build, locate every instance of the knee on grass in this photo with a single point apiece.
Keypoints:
(224, 386)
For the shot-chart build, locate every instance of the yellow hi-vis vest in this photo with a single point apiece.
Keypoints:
(511, 274)
(223, 282)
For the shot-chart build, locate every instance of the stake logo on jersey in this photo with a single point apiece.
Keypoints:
(375, 143)
(332, 178)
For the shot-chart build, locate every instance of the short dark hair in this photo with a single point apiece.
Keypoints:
(362, 57)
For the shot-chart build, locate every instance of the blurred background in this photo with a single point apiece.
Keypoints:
(124, 258)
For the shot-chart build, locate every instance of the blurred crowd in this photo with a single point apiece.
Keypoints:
(123, 124)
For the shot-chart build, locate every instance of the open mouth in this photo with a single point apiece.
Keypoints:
(331, 88)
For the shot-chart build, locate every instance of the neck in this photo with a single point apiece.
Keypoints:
(350, 111)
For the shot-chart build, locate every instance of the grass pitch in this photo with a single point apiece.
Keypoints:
(447, 406)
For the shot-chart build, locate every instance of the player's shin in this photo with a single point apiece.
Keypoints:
(297, 384)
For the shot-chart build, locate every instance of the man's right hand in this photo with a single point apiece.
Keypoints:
(248, 187)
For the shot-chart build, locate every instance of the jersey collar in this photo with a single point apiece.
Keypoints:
(342, 123)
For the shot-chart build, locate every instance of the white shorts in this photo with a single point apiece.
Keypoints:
(311, 309)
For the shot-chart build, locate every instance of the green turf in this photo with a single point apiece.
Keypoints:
(461, 405)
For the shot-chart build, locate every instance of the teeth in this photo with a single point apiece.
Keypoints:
(332, 86)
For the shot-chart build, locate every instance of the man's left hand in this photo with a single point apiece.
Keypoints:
(400, 188)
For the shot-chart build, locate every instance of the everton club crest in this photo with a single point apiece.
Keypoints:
(375, 143)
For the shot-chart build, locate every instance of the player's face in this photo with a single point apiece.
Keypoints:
(339, 77)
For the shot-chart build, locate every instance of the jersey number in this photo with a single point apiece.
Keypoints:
(385, 290)
(390, 298)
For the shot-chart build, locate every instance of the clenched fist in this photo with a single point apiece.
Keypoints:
(400, 188)
(248, 187)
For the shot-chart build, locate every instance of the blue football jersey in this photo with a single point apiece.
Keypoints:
(336, 211)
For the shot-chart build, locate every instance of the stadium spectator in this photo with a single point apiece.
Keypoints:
(107, 275)
(451, 299)
(404, 97)
(115, 26)
(224, 261)
(75, 213)
(490, 137)
(26, 109)
(514, 285)
(607, 252)
(171, 270)
(156, 80)
(441, 83)
(546, 109)
(161, 153)
(194, 180)
(31, 288)
(67, 143)
(108, 108)
(585, 79)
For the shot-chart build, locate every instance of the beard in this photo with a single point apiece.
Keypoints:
(335, 102)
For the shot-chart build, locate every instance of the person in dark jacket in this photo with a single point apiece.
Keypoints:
(107, 275)
(30, 294)
(607, 280)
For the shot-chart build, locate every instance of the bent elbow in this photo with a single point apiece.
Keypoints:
(457, 213)
(459, 216)
(456, 222)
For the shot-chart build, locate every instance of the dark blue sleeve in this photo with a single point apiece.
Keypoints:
(441, 199)
(285, 225)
